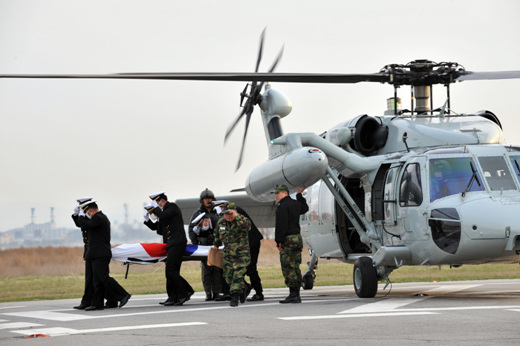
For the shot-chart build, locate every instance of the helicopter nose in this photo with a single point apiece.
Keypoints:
(490, 218)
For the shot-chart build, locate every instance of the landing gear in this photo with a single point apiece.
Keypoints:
(365, 278)
(309, 275)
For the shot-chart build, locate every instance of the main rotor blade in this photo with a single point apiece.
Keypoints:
(468, 75)
(237, 77)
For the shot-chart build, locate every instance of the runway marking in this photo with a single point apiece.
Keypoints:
(51, 315)
(63, 317)
(67, 331)
(384, 305)
(12, 307)
(381, 314)
(13, 325)
(391, 304)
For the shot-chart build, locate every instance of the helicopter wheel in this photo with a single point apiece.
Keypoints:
(365, 278)
(308, 282)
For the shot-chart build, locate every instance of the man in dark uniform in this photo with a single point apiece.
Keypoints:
(150, 220)
(98, 254)
(88, 293)
(171, 226)
(254, 246)
(233, 231)
(201, 232)
(288, 238)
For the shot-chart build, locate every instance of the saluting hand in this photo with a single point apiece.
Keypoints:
(300, 189)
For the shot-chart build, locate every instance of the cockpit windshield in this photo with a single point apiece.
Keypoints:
(497, 173)
(515, 162)
(449, 176)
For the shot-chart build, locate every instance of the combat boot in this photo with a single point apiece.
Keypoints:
(293, 297)
(234, 300)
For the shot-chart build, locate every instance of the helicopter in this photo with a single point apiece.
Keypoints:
(410, 187)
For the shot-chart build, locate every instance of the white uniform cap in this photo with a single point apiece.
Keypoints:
(83, 200)
(155, 196)
(85, 206)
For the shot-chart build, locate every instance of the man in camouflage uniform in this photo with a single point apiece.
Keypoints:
(233, 231)
(289, 240)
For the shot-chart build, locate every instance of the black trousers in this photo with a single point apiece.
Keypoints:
(176, 286)
(252, 270)
(104, 284)
(88, 293)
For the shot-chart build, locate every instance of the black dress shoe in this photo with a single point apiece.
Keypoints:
(92, 308)
(124, 300)
(183, 300)
(110, 305)
(166, 301)
(256, 298)
(169, 303)
(81, 307)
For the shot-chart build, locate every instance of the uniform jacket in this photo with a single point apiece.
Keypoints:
(84, 234)
(288, 217)
(98, 235)
(155, 226)
(170, 224)
(234, 235)
(204, 237)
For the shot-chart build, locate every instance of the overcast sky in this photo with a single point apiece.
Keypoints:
(119, 141)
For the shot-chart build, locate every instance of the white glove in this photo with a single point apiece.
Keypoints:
(206, 224)
(146, 216)
(81, 212)
(76, 210)
(154, 217)
(196, 229)
(154, 204)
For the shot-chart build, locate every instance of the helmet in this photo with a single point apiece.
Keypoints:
(207, 193)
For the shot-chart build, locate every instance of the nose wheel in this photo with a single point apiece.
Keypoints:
(365, 278)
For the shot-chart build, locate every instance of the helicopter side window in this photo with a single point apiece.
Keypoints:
(410, 192)
(496, 173)
(449, 176)
(515, 162)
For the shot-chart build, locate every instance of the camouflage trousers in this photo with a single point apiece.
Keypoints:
(290, 259)
(235, 267)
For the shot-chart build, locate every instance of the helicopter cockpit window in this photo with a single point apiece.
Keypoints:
(496, 173)
(410, 192)
(515, 162)
(449, 176)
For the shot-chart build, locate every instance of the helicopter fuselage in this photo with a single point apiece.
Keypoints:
(473, 219)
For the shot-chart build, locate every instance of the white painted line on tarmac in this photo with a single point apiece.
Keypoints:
(53, 316)
(12, 307)
(13, 325)
(67, 331)
(383, 305)
(381, 314)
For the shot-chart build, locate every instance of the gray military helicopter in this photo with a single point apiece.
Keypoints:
(409, 187)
